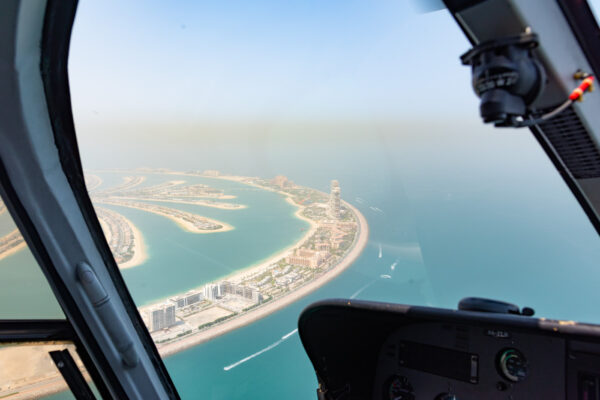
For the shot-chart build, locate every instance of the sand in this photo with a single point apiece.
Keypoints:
(277, 304)
(183, 224)
(15, 249)
(140, 254)
(204, 203)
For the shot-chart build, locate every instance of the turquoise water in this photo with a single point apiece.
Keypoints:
(6, 223)
(179, 261)
(496, 222)
(25, 292)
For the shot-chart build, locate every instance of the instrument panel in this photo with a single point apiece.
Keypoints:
(368, 350)
(452, 361)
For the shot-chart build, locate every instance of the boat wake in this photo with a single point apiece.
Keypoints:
(258, 353)
(359, 291)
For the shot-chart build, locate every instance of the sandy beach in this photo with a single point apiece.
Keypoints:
(139, 253)
(279, 303)
(239, 276)
(92, 182)
(189, 227)
(139, 248)
(15, 237)
(183, 224)
(13, 250)
(51, 385)
(36, 378)
(204, 203)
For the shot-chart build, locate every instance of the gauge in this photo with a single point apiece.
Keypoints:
(398, 388)
(512, 365)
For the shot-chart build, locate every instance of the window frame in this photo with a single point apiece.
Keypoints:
(41, 182)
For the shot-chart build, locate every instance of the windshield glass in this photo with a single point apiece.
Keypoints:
(248, 158)
(25, 293)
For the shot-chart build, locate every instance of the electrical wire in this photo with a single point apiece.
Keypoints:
(576, 94)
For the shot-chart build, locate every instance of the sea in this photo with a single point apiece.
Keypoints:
(448, 219)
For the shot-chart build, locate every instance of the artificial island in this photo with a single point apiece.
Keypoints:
(337, 235)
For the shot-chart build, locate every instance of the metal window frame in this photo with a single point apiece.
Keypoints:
(578, 31)
(42, 183)
(39, 331)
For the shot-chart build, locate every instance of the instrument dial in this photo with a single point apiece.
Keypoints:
(398, 388)
(513, 365)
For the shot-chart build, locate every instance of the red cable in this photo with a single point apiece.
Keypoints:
(581, 89)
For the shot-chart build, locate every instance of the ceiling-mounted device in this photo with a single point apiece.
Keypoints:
(533, 62)
(506, 76)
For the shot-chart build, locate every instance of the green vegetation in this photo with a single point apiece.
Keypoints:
(216, 321)
(251, 307)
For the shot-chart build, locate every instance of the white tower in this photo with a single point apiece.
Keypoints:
(334, 200)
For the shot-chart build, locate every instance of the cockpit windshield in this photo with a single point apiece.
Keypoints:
(248, 158)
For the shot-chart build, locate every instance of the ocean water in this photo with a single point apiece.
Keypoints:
(490, 219)
(179, 261)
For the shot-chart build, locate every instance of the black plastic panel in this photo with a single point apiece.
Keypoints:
(573, 144)
(367, 350)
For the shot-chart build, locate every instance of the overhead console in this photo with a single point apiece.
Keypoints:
(367, 350)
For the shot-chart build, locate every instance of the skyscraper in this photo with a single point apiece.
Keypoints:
(212, 291)
(169, 315)
(334, 200)
(161, 316)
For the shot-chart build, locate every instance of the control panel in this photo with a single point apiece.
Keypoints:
(367, 350)
(456, 361)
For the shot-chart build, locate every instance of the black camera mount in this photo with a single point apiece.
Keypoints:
(507, 77)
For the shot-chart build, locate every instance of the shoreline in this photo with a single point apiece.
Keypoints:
(97, 182)
(247, 317)
(276, 304)
(264, 264)
(13, 250)
(202, 203)
(128, 184)
(185, 225)
(140, 255)
(139, 248)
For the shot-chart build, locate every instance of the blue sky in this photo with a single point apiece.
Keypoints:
(332, 60)
(151, 76)
(269, 60)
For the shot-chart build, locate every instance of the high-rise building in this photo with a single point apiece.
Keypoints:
(161, 316)
(169, 315)
(334, 200)
(157, 318)
(211, 291)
